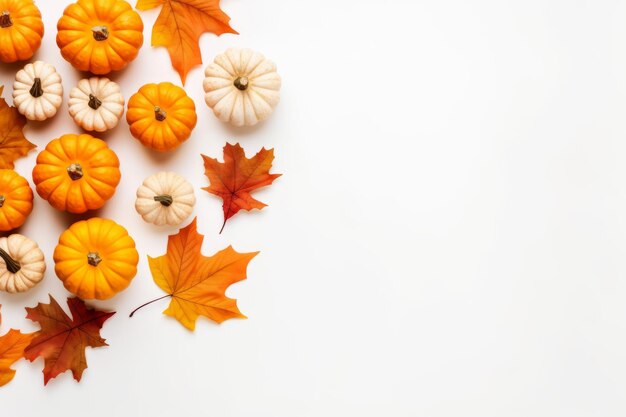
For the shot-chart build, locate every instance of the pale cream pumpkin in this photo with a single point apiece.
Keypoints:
(242, 87)
(96, 104)
(22, 264)
(37, 91)
(165, 198)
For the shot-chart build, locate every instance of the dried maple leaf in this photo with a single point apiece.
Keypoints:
(62, 340)
(180, 25)
(13, 143)
(12, 347)
(235, 178)
(197, 284)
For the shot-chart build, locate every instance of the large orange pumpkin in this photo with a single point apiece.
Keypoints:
(16, 200)
(96, 258)
(21, 30)
(161, 116)
(100, 36)
(76, 173)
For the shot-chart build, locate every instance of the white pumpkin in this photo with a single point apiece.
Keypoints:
(165, 198)
(37, 91)
(96, 104)
(22, 264)
(242, 87)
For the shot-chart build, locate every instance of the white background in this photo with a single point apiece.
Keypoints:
(448, 237)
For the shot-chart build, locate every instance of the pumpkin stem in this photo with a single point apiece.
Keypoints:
(36, 90)
(2, 200)
(75, 171)
(5, 20)
(242, 83)
(12, 265)
(164, 199)
(100, 33)
(94, 102)
(150, 302)
(93, 258)
(160, 114)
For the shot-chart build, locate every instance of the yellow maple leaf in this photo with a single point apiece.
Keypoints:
(196, 283)
(180, 25)
(12, 347)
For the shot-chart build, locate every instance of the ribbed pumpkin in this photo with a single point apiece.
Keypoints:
(165, 198)
(96, 104)
(100, 36)
(76, 173)
(161, 116)
(95, 258)
(16, 200)
(21, 30)
(22, 264)
(38, 91)
(242, 87)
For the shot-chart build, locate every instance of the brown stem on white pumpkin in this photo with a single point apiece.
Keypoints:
(100, 33)
(159, 114)
(242, 83)
(94, 102)
(13, 266)
(75, 171)
(36, 90)
(164, 199)
(5, 19)
(93, 258)
(2, 200)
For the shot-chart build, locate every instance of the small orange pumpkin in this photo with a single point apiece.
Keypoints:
(76, 173)
(21, 30)
(16, 200)
(96, 258)
(161, 116)
(100, 36)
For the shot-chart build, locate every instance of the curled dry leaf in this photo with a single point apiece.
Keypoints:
(62, 340)
(234, 179)
(180, 25)
(196, 283)
(13, 143)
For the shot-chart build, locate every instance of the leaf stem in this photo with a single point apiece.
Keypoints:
(149, 302)
(223, 226)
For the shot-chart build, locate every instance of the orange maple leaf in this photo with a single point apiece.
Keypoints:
(180, 25)
(196, 283)
(13, 143)
(12, 347)
(235, 178)
(62, 340)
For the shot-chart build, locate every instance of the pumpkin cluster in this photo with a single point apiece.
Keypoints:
(78, 172)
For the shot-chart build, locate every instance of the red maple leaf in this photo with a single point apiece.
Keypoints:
(234, 179)
(62, 340)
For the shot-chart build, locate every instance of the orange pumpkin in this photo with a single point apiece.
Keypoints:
(95, 258)
(21, 30)
(161, 116)
(100, 36)
(76, 173)
(16, 200)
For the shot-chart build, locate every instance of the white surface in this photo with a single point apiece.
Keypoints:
(448, 238)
